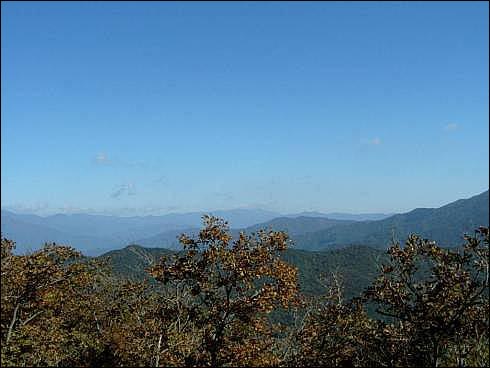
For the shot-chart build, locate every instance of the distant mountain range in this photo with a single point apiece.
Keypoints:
(292, 225)
(445, 224)
(357, 264)
(30, 236)
(298, 225)
(95, 234)
(344, 216)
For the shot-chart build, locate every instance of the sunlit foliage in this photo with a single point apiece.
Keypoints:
(232, 285)
(49, 307)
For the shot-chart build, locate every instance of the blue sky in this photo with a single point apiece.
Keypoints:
(149, 108)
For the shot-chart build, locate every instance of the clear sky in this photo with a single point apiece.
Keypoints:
(149, 108)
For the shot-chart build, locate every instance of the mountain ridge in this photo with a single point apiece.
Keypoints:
(444, 224)
(98, 233)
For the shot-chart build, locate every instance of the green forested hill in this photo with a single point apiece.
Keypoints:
(444, 225)
(131, 261)
(356, 264)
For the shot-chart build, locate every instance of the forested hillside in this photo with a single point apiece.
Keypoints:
(446, 225)
(218, 302)
(357, 265)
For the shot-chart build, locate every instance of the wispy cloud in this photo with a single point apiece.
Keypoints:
(450, 127)
(43, 209)
(135, 164)
(376, 141)
(124, 189)
(102, 159)
(35, 208)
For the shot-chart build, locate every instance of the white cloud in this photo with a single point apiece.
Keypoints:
(450, 127)
(34, 208)
(102, 159)
(43, 209)
(376, 141)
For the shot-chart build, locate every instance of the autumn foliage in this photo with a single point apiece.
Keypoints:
(211, 304)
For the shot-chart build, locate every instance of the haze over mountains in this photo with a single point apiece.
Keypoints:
(344, 216)
(446, 225)
(95, 234)
(292, 225)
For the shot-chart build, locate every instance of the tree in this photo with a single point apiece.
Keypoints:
(230, 287)
(333, 332)
(49, 312)
(434, 303)
(437, 300)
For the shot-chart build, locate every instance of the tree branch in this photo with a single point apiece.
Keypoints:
(14, 318)
(31, 317)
